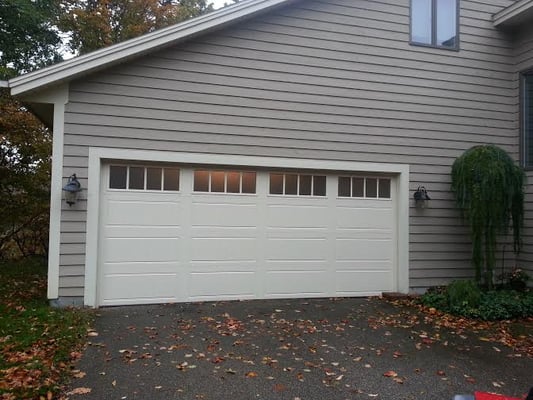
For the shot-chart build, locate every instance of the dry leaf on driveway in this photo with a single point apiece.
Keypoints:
(80, 390)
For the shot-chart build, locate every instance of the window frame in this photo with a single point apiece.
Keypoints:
(298, 193)
(525, 162)
(145, 168)
(364, 178)
(433, 44)
(226, 173)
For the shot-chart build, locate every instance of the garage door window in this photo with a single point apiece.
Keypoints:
(297, 184)
(364, 187)
(144, 178)
(236, 182)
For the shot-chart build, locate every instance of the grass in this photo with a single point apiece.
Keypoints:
(38, 343)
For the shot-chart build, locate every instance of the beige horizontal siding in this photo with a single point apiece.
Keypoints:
(332, 80)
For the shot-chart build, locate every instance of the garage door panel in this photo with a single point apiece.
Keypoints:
(300, 216)
(141, 249)
(296, 283)
(363, 265)
(354, 282)
(296, 249)
(362, 249)
(364, 218)
(215, 232)
(138, 288)
(221, 285)
(300, 233)
(225, 215)
(155, 213)
(213, 249)
(141, 268)
(365, 234)
(295, 266)
(150, 232)
(223, 266)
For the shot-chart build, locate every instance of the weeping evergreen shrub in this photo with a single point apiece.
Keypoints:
(489, 190)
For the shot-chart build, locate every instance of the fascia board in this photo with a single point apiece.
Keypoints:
(509, 16)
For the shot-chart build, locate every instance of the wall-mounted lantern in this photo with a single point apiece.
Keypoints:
(421, 197)
(72, 189)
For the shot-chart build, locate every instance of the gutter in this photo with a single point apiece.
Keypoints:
(4, 84)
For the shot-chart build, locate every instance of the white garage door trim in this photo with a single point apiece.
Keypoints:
(98, 155)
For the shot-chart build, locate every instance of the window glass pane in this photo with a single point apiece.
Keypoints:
(291, 184)
(153, 178)
(528, 120)
(201, 181)
(358, 187)
(305, 185)
(172, 179)
(276, 183)
(217, 181)
(371, 187)
(446, 23)
(319, 185)
(234, 182)
(384, 188)
(421, 17)
(136, 178)
(248, 182)
(344, 186)
(117, 177)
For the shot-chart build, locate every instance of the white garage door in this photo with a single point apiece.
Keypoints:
(176, 234)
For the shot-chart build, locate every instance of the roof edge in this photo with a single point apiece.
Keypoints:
(513, 15)
(108, 56)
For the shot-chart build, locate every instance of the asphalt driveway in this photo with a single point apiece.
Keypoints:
(289, 349)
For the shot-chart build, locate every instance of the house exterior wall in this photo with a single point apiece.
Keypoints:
(331, 80)
(524, 61)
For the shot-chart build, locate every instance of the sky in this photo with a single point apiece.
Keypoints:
(219, 3)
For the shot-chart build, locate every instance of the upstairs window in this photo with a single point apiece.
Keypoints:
(434, 23)
(527, 119)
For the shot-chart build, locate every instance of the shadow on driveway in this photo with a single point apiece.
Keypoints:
(289, 349)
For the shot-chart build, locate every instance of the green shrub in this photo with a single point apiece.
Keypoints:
(463, 295)
(467, 300)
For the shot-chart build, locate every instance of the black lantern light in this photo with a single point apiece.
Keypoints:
(72, 190)
(421, 197)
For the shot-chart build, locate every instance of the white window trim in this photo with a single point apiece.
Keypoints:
(97, 156)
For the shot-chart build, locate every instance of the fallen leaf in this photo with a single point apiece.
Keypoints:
(79, 374)
(390, 374)
(251, 374)
(278, 387)
(80, 390)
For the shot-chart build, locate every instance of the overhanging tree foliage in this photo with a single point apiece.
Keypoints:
(25, 148)
(94, 24)
(489, 190)
(28, 40)
(28, 37)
